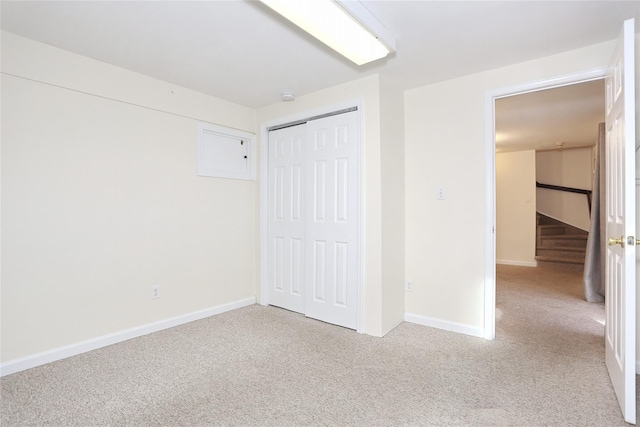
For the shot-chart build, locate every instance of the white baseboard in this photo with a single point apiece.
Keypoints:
(444, 324)
(49, 356)
(519, 263)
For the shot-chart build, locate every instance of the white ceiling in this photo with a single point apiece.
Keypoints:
(239, 50)
(540, 120)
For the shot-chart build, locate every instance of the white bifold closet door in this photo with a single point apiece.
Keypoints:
(313, 219)
(286, 223)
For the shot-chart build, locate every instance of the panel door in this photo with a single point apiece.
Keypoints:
(286, 218)
(332, 228)
(620, 297)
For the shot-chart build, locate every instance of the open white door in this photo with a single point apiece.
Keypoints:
(620, 298)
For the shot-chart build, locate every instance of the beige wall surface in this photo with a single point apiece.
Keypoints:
(445, 147)
(567, 168)
(393, 205)
(100, 201)
(516, 208)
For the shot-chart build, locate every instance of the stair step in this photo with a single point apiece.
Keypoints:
(560, 244)
(568, 237)
(563, 249)
(545, 220)
(565, 266)
(562, 241)
(562, 260)
(563, 254)
(551, 230)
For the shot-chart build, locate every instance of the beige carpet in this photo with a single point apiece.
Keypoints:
(265, 366)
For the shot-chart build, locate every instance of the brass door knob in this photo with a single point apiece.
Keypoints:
(612, 241)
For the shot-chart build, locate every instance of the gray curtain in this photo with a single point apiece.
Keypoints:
(594, 268)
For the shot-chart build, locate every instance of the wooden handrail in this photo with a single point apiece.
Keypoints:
(568, 190)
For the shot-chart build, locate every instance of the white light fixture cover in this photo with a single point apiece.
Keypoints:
(345, 26)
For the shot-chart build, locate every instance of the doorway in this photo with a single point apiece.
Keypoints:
(545, 164)
(491, 150)
(544, 151)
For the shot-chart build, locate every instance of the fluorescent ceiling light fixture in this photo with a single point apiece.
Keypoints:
(345, 26)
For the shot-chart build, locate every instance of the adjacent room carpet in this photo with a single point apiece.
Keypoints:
(264, 366)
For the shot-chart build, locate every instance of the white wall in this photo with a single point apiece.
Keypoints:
(637, 53)
(567, 168)
(516, 208)
(393, 215)
(445, 147)
(383, 274)
(100, 201)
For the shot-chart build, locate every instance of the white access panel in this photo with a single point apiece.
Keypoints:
(225, 152)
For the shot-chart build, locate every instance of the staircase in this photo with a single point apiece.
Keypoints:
(559, 243)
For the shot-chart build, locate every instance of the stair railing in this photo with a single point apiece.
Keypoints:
(568, 190)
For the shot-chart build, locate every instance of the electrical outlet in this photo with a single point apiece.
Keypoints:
(441, 195)
(408, 287)
(155, 292)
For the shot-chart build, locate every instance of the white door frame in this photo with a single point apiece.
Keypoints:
(263, 298)
(490, 177)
